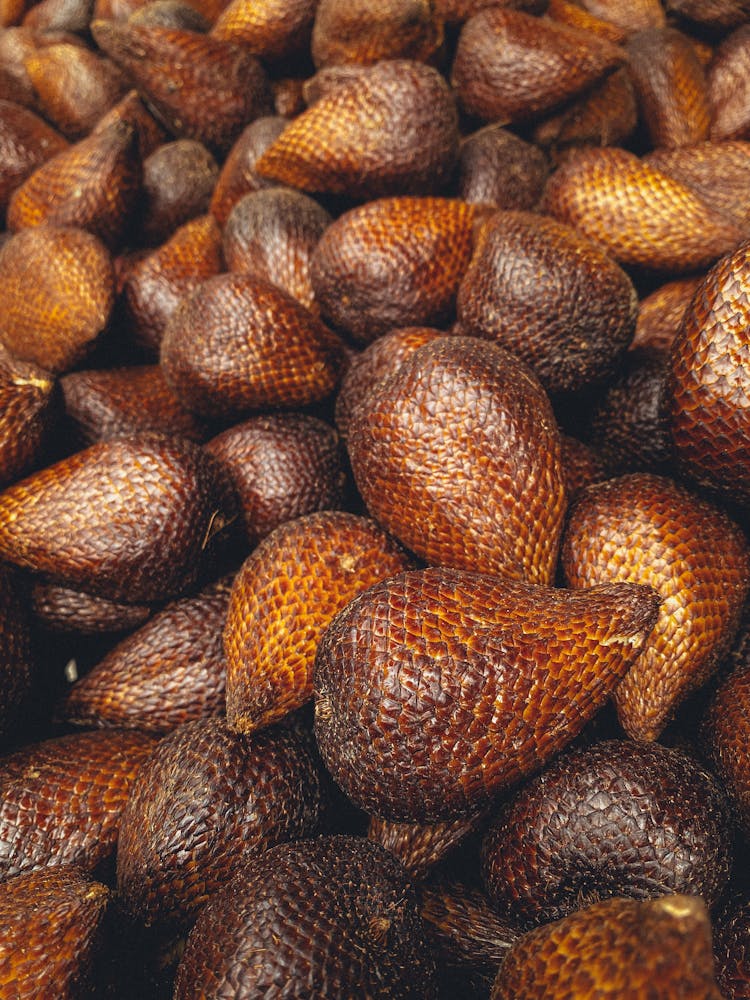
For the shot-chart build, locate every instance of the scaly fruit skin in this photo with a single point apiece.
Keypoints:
(331, 918)
(61, 609)
(457, 453)
(618, 949)
(732, 948)
(26, 141)
(616, 819)
(421, 846)
(726, 734)
(29, 403)
(130, 519)
(437, 689)
(728, 84)
(50, 920)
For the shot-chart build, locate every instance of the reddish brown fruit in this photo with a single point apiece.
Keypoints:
(133, 111)
(618, 949)
(629, 15)
(284, 598)
(61, 800)
(131, 519)
(238, 176)
(389, 129)
(49, 16)
(50, 922)
(645, 529)
(28, 407)
(57, 290)
(728, 88)
(582, 465)
(16, 664)
(437, 689)
(458, 455)
(200, 87)
(240, 343)
(660, 314)
(726, 732)
(338, 912)
(355, 31)
(421, 846)
(497, 168)
(715, 13)
(510, 67)
(576, 15)
(456, 11)
(282, 466)
(61, 609)
(178, 181)
(170, 14)
(709, 382)
(731, 936)
(205, 800)
(270, 29)
(26, 142)
(15, 45)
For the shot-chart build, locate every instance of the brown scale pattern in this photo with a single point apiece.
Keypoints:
(709, 382)
(510, 67)
(178, 182)
(456, 11)
(61, 609)
(92, 185)
(671, 87)
(582, 465)
(618, 949)
(50, 922)
(551, 297)
(28, 407)
(630, 15)
(421, 846)
(273, 233)
(715, 13)
(26, 141)
(497, 168)
(15, 44)
(200, 87)
(58, 15)
(283, 599)
(282, 466)
(393, 262)
(457, 453)
(61, 801)
(158, 283)
(731, 934)
(130, 519)
(726, 733)
(237, 176)
(131, 109)
(640, 215)
(356, 31)
(271, 30)
(205, 800)
(57, 290)
(577, 16)
(646, 529)
(330, 918)
(102, 404)
(239, 343)
(616, 819)
(391, 129)
(728, 87)
(437, 689)
(660, 314)
(170, 671)
(17, 668)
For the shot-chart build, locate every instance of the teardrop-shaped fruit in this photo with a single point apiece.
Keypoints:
(200, 87)
(390, 129)
(660, 314)
(550, 296)
(338, 913)
(61, 609)
(393, 262)
(646, 529)
(28, 407)
(497, 168)
(728, 89)
(510, 66)
(57, 290)
(270, 29)
(421, 846)
(61, 800)
(437, 689)
(50, 922)
(640, 215)
(283, 599)
(178, 182)
(239, 343)
(357, 31)
(17, 672)
(709, 382)
(616, 819)
(130, 519)
(237, 176)
(726, 733)
(205, 800)
(458, 455)
(26, 141)
(618, 949)
(282, 466)
(170, 671)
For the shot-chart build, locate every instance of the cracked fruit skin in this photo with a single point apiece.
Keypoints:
(437, 689)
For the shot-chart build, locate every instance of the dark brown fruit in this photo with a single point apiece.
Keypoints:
(726, 733)
(333, 918)
(50, 922)
(205, 800)
(282, 466)
(130, 519)
(393, 262)
(356, 31)
(283, 599)
(497, 168)
(421, 846)
(270, 29)
(660, 314)
(171, 671)
(582, 465)
(61, 800)
(26, 142)
(618, 949)
(715, 13)
(238, 176)
(551, 297)
(732, 949)
(391, 129)
(709, 383)
(178, 182)
(616, 819)
(28, 407)
(16, 663)
(61, 609)
(437, 689)
(458, 455)
(728, 89)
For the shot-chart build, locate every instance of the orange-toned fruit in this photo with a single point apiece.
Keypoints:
(29, 404)
(270, 29)
(497, 168)
(50, 922)
(356, 31)
(660, 314)
(178, 182)
(61, 609)
(575, 14)
(26, 141)
(421, 846)
(457, 453)
(630, 15)
(726, 734)
(237, 176)
(645, 529)
(57, 291)
(617, 949)
(437, 689)
(284, 598)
